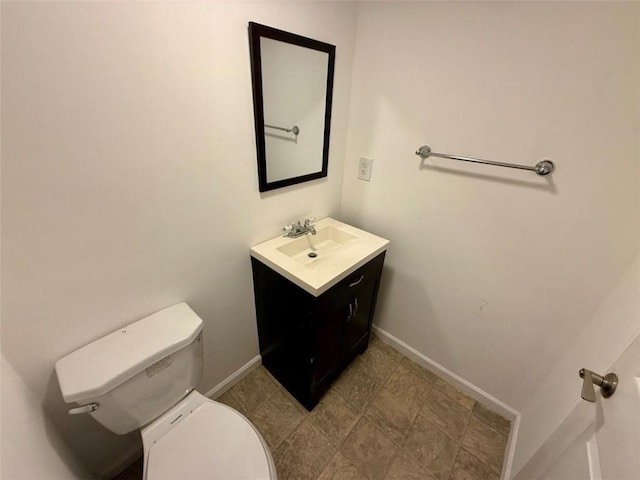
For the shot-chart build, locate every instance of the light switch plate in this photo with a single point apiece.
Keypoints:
(364, 168)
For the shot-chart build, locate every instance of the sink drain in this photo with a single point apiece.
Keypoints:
(312, 254)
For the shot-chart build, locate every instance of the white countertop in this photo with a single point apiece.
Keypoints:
(317, 275)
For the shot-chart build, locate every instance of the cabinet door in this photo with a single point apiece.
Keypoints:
(359, 319)
(329, 319)
(363, 291)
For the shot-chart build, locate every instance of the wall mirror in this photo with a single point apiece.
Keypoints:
(292, 80)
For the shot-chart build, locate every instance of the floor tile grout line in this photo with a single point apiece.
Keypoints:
(410, 454)
(323, 467)
(390, 439)
(482, 462)
(360, 414)
(276, 385)
(442, 429)
(313, 425)
(452, 398)
(260, 404)
(491, 412)
(476, 456)
(459, 447)
(400, 446)
(497, 430)
(339, 445)
(338, 452)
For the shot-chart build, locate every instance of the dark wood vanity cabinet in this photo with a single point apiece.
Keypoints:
(306, 341)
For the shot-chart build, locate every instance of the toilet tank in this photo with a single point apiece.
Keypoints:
(137, 372)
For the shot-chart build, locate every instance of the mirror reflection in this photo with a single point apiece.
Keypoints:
(292, 87)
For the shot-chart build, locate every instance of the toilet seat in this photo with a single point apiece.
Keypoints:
(211, 442)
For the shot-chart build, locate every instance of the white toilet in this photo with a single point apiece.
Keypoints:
(143, 376)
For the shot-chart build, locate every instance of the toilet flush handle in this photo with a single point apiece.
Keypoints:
(91, 407)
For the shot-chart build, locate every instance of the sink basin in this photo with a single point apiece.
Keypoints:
(317, 262)
(311, 248)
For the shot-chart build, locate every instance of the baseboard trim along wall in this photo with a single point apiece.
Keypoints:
(234, 378)
(489, 401)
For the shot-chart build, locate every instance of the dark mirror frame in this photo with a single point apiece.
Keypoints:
(257, 31)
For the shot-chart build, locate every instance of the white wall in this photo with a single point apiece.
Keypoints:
(129, 179)
(492, 272)
(31, 446)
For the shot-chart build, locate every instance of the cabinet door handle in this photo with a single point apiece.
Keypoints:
(353, 284)
(353, 309)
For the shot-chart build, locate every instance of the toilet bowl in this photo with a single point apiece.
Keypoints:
(200, 438)
(143, 376)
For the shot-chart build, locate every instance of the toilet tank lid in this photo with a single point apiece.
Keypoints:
(98, 367)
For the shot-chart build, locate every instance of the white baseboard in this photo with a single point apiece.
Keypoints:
(234, 378)
(510, 452)
(489, 401)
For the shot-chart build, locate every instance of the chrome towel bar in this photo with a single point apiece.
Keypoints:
(295, 130)
(543, 167)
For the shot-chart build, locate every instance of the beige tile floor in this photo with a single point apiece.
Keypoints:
(385, 418)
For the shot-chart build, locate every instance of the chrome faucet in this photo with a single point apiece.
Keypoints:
(298, 229)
